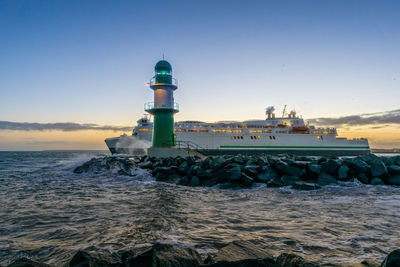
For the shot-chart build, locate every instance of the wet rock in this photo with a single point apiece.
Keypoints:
(221, 175)
(267, 176)
(195, 181)
(174, 178)
(274, 183)
(204, 174)
(394, 170)
(363, 178)
(300, 185)
(234, 173)
(285, 168)
(84, 258)
(392, 260)
(217, 163)
(325, 179)
(393, 180)
(164, 170)
(145, 165)
(300, 164)
(359, 165)
(343, 172)
(210, 182)
(379, 169)
(377, 181)
(314, 171)
(164, 255)
(183, 181)
(251, 170)
(246, 180)
(183, 167)
(291, 260)
(289, 179)
(242, 253)
(331, 166)
(25, 262)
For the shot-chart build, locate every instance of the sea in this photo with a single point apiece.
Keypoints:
(47, 213)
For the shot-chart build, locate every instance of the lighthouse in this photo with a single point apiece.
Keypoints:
(163, 108)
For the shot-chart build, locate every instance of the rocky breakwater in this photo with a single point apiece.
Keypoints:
(299, 172)
(235, 254)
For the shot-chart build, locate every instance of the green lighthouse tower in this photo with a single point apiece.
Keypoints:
(163, 108)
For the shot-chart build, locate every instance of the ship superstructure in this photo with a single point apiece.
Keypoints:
(274, 135)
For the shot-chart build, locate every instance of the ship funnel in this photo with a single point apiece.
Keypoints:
(292, 114)
(270, 112)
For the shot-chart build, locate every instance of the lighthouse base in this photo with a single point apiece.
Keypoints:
(166, 152)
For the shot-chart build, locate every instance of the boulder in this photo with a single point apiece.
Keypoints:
(363, 178)
(164, 170)
(370, 158)
(210, 182)
(234, 173)
(246, 180)
(204, 174)
(359, 165)
(164, 255)
(379, 169)
(216, 163)
(251, 170)
(183, 181)
(183, 167)
(394, 170)
(145, 165)
(25, 262)
(267, 176)
(285, 168)
(221, 175)
(377, 181)
(343, 172)
(173, 178)
(291, 260)
(314, 171)
(300, 185)
(84, 258)
(300, 164)
(274, 183)
(392, 260)
(325, 179)
(331, 166)
(242, 253)
(289, 179)
(393, 180)
(195, 181)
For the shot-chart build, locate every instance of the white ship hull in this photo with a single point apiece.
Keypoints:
(211, 139)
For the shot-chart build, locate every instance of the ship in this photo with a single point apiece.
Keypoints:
(287, 134)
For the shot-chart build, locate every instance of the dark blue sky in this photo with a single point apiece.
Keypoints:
(87, 61)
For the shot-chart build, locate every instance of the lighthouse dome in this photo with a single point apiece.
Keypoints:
(163, 65)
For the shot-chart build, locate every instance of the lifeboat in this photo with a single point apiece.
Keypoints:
(300, 129)
(281, 125)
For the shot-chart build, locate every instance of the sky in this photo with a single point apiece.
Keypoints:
(85, 63)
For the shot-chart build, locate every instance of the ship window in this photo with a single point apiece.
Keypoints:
(234, 137)
(241, 137)
(319, 137)
(251, 137)
(273, 137)
(270, 137)
(258, 137)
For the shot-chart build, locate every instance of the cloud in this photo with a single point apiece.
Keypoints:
(60, 126)
(390, 117)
